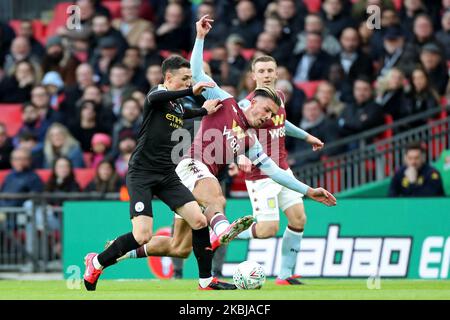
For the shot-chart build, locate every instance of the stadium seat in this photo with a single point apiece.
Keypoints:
(313, 5)
(87, 157)
(3, 174)
(309, 87)
(247, 53)
(84, 176)
(44, 174)
(39, 29)
(398, 4)
(11, 116)
(59, 18)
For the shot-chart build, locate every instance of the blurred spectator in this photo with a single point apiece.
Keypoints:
(153, 76)
(26, 30)
(108, 56)
(443, 36)
(423, 32)
(416, 178)
(222, 68)
(127, 144)
(344, 89)
(84, 78)
(314, 24)
(100, 144)
(359, 8)
(33, 123)
(17, 87)
(120, 88)
(389, 18)
(273, 25)
(133, 61)
(390, 94)
(334, 17)
(88, 123)
(353, 61)
(21, 179)
(62, 179)
(106, 179)
(58, 58)
(421, 97)
(294, 97)
(130, 118)
(293, 14)
(409, 11)
(366, 36)
(234, 45)
(364, 113)
(6, 147)
(102, 28)
(246, 85)
(397, 53)
(312, 63)
(216, 35)
(20, 50)
(148, 49)
(435, 66)
(54, 84)
(130, 25)
(169, 31)
(59, 142)
(246, 23)
(27, 140)
(6, 37)
(40, 98)
(330, 104)
(315, 122)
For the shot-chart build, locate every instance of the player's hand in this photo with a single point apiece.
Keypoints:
(244, 163)
(203, 26)
(322, 195)
(212, 105)
(198, 88)
(315, 142)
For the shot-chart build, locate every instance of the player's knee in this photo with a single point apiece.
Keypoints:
(142, 236)
(199, 222)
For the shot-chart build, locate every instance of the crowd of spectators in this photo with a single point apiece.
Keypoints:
(83, 90)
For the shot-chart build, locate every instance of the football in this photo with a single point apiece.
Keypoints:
(249, 275)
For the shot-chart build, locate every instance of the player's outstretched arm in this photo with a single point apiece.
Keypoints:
(198, 74)
(269, 167)
(209, 107)
(296, 132)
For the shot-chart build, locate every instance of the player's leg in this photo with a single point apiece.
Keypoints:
(291, 204)
(142, 223)
(208, 194)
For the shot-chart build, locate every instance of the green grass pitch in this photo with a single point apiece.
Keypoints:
(187, 290)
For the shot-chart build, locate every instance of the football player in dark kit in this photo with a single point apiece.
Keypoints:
(152, 172)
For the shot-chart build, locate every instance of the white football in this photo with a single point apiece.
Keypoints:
(249, 275)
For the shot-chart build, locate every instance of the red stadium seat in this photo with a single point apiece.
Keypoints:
(309, 87)
(84, 176)
(398, 4)
(87, 157)
(3, 174)
(44, 174)
(59, 18)
(39, 29)
(247, 53)
(113, 7)
(11, 116)
(313, 5)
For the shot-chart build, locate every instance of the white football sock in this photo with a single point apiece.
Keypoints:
(204, 282)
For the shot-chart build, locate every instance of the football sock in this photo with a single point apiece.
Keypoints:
(219, 223)
(202, 251)
(118, 248)
(290, 247)
(205, 282)
(249, 233)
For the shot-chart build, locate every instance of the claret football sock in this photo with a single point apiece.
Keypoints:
(118, 248)
(290, 247)
(219, 223)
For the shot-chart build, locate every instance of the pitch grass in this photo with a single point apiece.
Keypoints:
(187, 290)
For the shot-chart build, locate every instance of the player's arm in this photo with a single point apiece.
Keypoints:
(269, 167)
(163, 95)
(198, 74)
(209, 107)
(296, 132)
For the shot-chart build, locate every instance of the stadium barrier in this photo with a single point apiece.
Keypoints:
(30, 234)
(387, 238)
(377, 160)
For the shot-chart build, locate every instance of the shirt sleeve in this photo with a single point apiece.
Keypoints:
(194, 113)
(269, 167)
(198, 74)
(294, 131)
(162, 96)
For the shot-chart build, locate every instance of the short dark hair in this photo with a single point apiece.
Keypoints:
(267, 93)
(416, 145)
(27, 136)
(174, 62)
(364, 78)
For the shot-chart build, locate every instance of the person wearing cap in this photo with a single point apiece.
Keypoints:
(431, 57)
(100, 144)
(107, 56)
(397, 53)
(58, 58)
